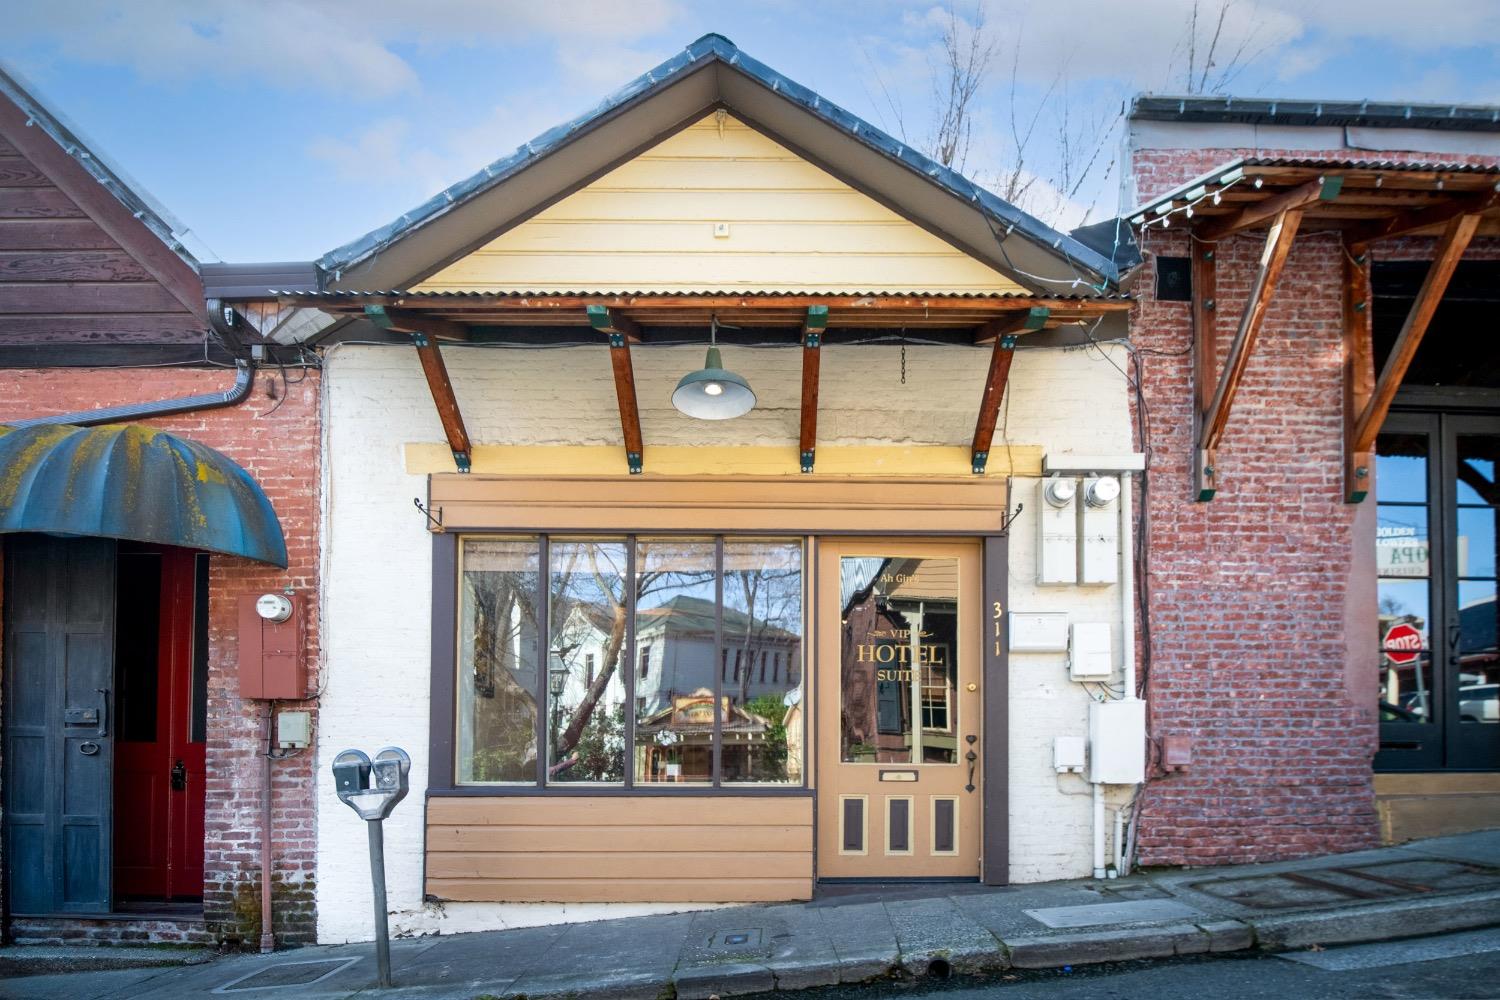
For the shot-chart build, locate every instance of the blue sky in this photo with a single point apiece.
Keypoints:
(279, 129)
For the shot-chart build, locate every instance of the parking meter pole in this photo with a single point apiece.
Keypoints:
(377, 879)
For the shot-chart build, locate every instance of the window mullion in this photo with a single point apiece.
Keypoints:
(629, 664)
(543, 658)
(718, 741)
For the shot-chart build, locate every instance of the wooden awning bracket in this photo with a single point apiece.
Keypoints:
(1005, 333)
(433, 367)
(814, 325)
(621, 331)
(1366, 411)
(1213, 416)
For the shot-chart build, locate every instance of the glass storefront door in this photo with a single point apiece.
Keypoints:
(1437, 492)
(899, 711)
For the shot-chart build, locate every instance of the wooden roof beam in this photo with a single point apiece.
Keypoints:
(1212, 421)
(622, 331)
(1020, 321)
(1421, 218)
(1318, 189)
(413, 321)
(813, 327)
(1359, 367)
(1455, 240)
(1004, 332)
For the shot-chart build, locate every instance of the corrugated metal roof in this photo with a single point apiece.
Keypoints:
(1248, 164)
(708, 49)
(1277, 111)
(354, 296)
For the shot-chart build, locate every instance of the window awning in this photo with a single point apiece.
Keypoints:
(133, 482)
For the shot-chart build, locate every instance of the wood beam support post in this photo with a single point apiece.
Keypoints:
(1205, 346)
(1359, 367)
(1215, 416)
(1004, 332)
(813, 328)
(1455, 240)
(438, 382)
(622, 331)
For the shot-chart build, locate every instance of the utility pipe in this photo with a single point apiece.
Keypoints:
(244, 380)
(1127, 587)
(1119, 842)
(267, 921)
(1098, 830)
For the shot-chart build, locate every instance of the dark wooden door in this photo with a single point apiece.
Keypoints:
(159, 771)
(59, 730)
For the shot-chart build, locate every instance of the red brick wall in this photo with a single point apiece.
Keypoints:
(1262, 619)
(277, 442)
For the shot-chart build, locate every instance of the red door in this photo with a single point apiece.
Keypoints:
(160, 684)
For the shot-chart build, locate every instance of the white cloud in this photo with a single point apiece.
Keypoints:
(346, 47)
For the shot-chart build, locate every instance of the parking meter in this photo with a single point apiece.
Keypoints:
(372, 789)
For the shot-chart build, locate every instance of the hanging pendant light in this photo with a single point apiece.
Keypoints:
(711, 393)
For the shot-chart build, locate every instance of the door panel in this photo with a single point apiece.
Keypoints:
(160, 771)
(899, 709)
(59, 631)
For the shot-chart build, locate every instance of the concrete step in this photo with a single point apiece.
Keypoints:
(36, 960)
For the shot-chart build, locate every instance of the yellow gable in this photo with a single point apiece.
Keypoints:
(718, 207)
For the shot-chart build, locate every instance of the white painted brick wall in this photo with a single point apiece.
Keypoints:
(377, 558)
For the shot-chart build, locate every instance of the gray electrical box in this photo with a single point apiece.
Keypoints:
(293, 730)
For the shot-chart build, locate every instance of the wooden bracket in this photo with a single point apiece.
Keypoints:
(1360, 443)
(1422, 218)
(1214, 416)
(813, 328)
(622, 331)
(443, 397)
(1359, 367)
(1004, 332)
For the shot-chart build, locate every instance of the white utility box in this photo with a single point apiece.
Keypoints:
(293, 730)
(1089, 655)
(1117, 742)
(1099, 531)
(1057, 530)
(1068, 754)
(1038, 631)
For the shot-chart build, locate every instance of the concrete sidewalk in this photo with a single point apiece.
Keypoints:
(855, 934)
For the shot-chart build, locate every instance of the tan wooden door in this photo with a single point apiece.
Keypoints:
(898, 674)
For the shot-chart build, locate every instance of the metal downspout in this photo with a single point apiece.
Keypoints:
(244, 380)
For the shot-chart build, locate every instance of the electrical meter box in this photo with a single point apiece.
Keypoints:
(1089, 654)
(1099, 531)
(1057, 530)
(1117, 742)
(272, 664)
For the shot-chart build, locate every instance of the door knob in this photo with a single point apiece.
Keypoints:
(179, 776)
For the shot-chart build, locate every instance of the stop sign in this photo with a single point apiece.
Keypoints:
(1402, 643)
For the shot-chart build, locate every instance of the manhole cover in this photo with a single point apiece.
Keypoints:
(287, 975)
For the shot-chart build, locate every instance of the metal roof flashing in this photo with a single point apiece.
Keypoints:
(1285, 111)
(712, 72)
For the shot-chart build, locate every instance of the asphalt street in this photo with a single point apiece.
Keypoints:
(1463, 966)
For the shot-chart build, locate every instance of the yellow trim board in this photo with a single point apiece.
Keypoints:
(423, 458)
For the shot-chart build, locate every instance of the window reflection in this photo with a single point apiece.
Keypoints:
(1478, 614)
(1403, 561)
(675, 622)
(762, 708)
(587, 633)
(898, 671)
(497, 668)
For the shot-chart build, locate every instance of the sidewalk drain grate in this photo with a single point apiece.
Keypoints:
(749, 937)
(287, 975)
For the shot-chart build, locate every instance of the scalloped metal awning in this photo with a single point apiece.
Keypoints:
(134, 482)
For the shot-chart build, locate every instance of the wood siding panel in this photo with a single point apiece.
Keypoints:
(54, 234)
(649, 225)
(37, 203)
(70, 265)
(17, 171)
(65, 297)
(625, 848)
(109, 328)
(801, 505)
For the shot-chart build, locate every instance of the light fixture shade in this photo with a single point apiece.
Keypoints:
(711, 393)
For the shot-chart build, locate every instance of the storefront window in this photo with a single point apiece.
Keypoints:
(1478, 496)
(674, 704)
(645, 642)
(497, 662)
(586, 715)
(1403, 562)
(762, 709)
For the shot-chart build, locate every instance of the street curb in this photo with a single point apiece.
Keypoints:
(1382, 921)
